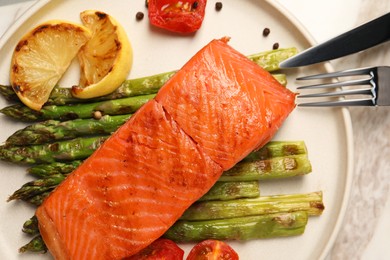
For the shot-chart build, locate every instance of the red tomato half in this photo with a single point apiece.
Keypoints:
(184, 16)
(212, 250)
(161, 249)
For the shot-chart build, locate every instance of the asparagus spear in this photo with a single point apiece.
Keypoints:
(82, 147)
(88, 110)
(207, 210)
(54, 130)
(69, 150)
(222, 191)
(288, 161)
(34, 192)
(243, 228)
(129, 88)
(36, 245)
(269, 60)
(240, 177)
(37, 187)
(44, 170)
(215, 209)
(278, 149)
(37, 200)
(31, 226)
(234, 185)
(273, 168)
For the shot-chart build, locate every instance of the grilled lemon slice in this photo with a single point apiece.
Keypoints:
(106, 59)
(41, 58)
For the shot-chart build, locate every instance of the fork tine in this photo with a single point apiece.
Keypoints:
(338, 84)
(365, 91)
(342, 102)
(343, 73)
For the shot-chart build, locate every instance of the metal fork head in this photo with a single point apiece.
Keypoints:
(371, 90)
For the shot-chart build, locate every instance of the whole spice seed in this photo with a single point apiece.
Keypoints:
(218, 6)
(266, 32)
(139, 16)
(275, 46)
(194, 5)
(97, 114)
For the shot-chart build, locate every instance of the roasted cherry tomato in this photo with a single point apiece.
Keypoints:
(161, 249)
(185, 16)
(212, 250)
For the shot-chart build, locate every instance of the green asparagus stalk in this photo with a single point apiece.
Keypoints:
(243, 182)
(233, 185)
(282, 78)
(273, 168)
(36, 245)
(68, 112)
(31, 226)
(45, 170)
(37, 187)
(34, 192)
(254, 170)
(54, 130)
(82, 147)
(271, 160)
(69, 150)
(278, 149)
(222, 191)
(37, 200)
(129, 88)
(207, 210)
(269, 60)
(216, 209)
(243, 228)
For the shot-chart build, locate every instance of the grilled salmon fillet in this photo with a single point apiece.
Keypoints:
(214, 111)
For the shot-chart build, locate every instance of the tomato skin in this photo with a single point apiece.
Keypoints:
(161, 249)
(167, 15)
(212, 250)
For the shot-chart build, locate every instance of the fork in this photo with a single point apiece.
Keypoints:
(372, 90)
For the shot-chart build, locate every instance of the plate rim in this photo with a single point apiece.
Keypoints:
(347, 122)
(32, 9)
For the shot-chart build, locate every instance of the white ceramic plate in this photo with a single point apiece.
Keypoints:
(327, 132)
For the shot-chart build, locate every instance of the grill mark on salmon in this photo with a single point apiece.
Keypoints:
(207, 117)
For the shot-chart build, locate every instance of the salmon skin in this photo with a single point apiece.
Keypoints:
(214, 111)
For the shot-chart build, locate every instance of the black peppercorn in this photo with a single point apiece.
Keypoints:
(266, 32)
(139, 16)
(218, 6)
(194, 5)
(275, 46)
